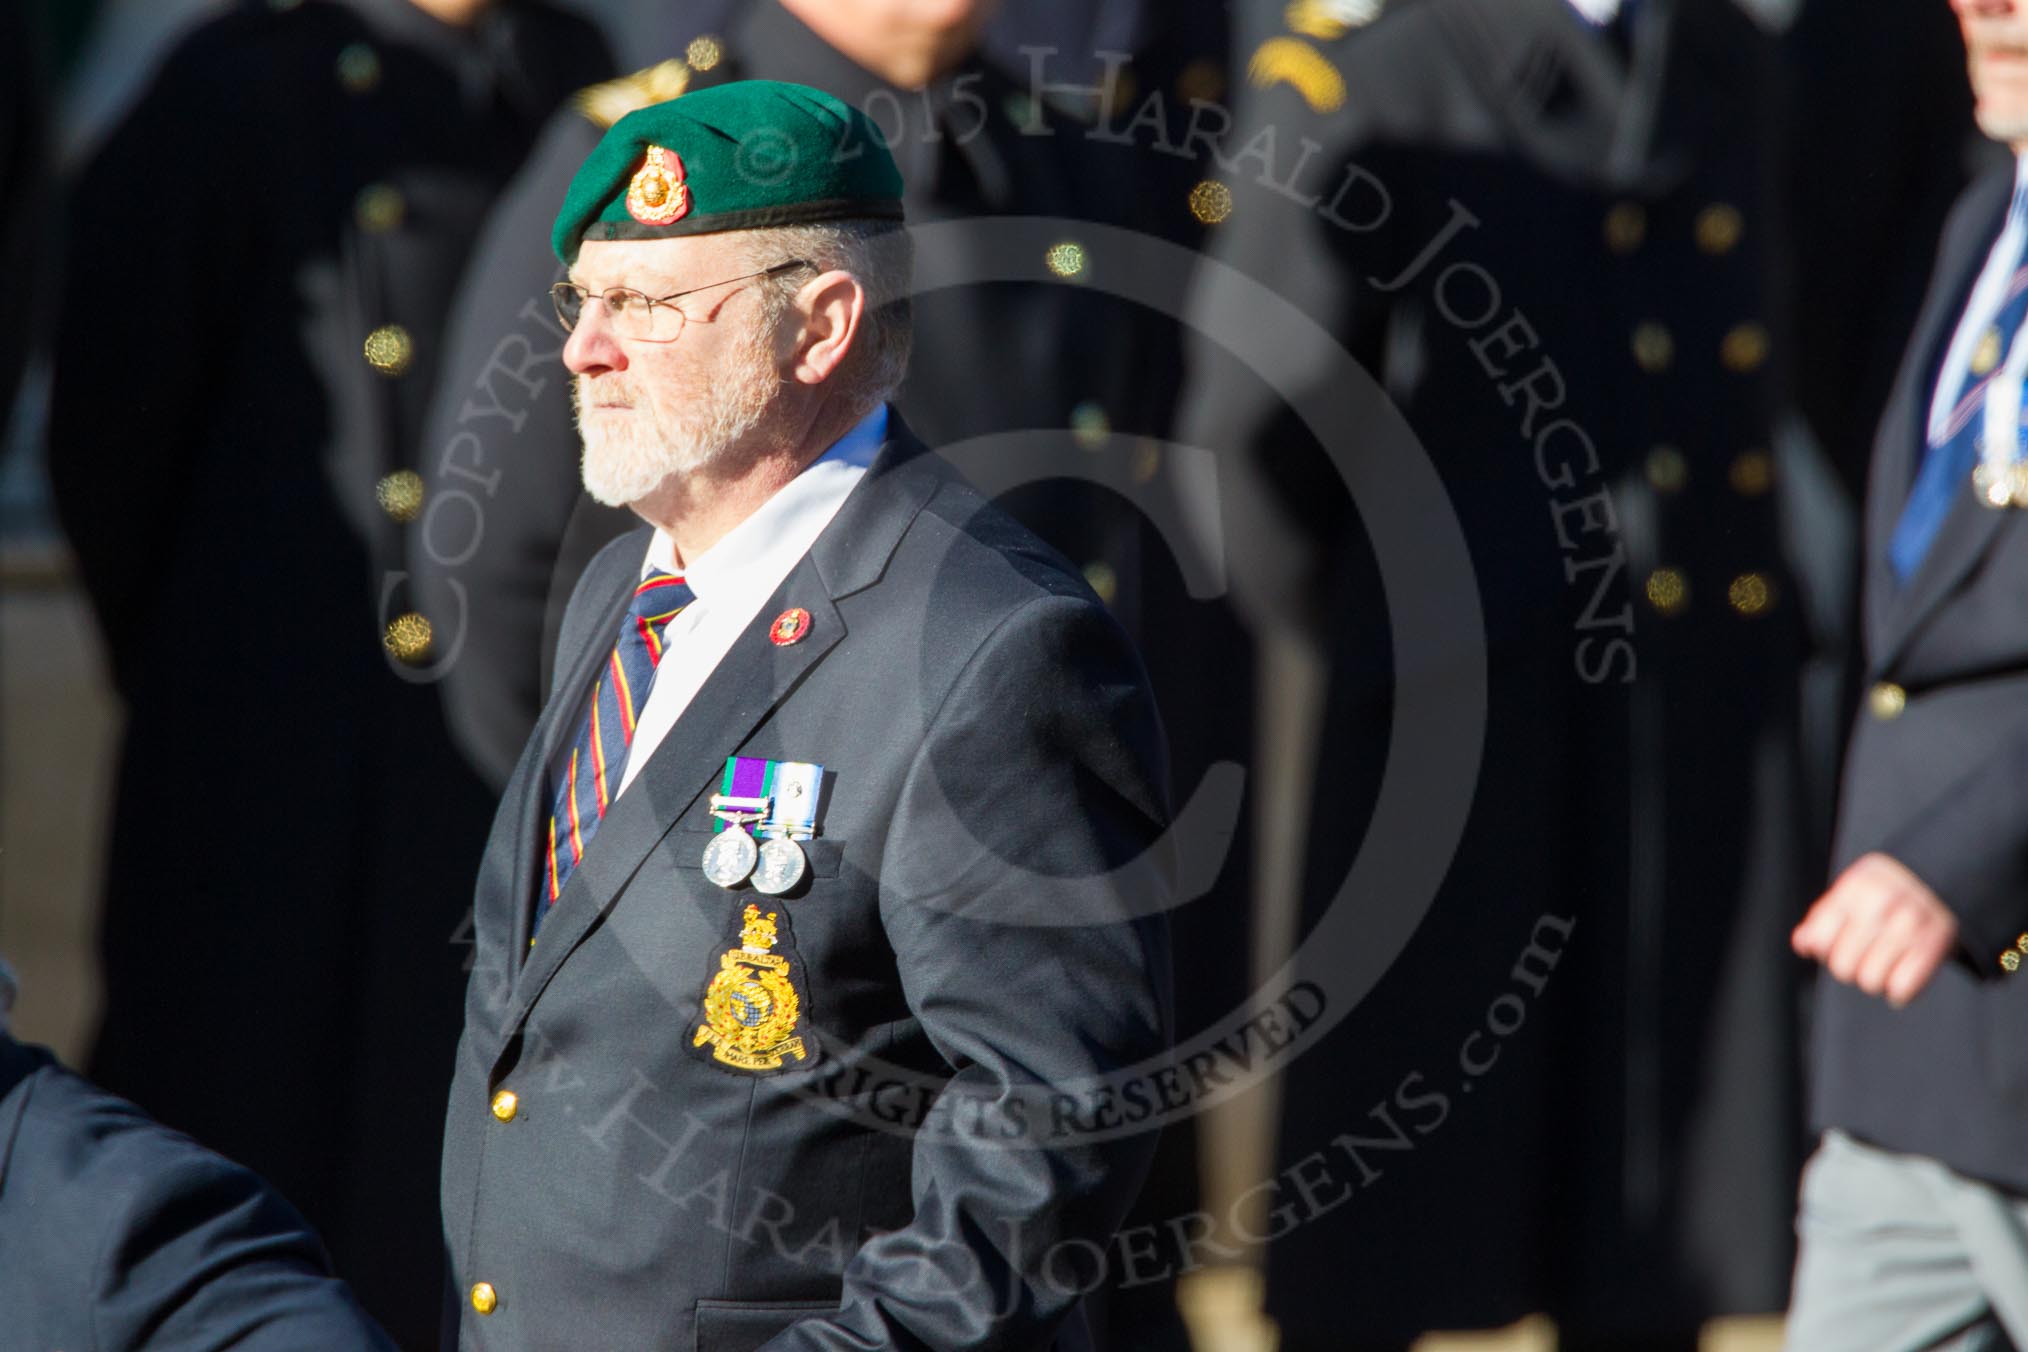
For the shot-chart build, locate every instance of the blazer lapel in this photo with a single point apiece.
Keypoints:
(752, 679)
(1895, 608)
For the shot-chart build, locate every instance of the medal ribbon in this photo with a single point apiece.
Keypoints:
(789, 790)
(744, 777)
(794, 786)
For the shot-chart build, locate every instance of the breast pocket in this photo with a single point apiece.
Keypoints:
(745, 1325)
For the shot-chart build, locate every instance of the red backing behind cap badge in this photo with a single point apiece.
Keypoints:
(791, 626)
(658, 194)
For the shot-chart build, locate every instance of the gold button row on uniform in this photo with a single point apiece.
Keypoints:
(484, 1298)
(1717, 228)
(400, 495)
(1886, 700)
(2011, 959)
(389, 349)
(1089, 425)
(1200, 79)
(358, 68)
(1210, 202)
(408, 638)
(1066, 259)
(704, 52)
(1743, 349)
(1668, 471)
(379, 208)
(1749, 594)
(1751, 473)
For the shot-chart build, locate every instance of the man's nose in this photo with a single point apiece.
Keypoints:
(592, 346)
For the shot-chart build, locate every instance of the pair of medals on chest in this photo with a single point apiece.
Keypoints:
(752, 1011)
(2000, 479)
(762, 812)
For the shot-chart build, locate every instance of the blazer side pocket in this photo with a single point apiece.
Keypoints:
(746, 1325)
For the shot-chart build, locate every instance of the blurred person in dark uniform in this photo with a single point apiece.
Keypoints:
(1913, 1215)
(259, 262)
(118, 1233)
(1548, 230)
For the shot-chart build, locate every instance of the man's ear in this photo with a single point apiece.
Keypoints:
(832, 306)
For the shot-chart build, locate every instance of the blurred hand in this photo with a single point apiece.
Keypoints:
(1879, 928)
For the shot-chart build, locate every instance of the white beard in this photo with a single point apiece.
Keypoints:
(629, 452)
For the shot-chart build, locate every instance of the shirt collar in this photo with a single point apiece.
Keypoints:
(779, 523)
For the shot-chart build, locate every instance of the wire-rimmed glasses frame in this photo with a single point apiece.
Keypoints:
(645, 318)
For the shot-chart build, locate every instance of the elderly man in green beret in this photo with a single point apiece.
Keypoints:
(820, 969)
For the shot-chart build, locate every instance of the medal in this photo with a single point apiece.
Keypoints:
(730, 857)
(779, 800)
(2000, 479)
(781, 866)
(794, 787)
(1992, 486)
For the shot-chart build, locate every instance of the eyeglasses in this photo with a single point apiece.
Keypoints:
(649, 319)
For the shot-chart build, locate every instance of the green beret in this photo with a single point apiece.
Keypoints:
(737, 156)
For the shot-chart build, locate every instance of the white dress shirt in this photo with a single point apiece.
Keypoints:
(733, 578)
(1987, 296)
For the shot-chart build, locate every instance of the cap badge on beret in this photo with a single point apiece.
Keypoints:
(658, 195)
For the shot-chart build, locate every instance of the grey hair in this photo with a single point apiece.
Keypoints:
(9, 988)
(882, 256)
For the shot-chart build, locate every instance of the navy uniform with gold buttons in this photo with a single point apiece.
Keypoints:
(1551, 244)
(260, 260)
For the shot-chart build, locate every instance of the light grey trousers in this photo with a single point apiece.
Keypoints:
(1899, 1254)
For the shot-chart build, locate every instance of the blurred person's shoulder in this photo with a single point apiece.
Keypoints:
(1404, 70)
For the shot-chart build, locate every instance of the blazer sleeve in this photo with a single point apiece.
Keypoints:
(1023, 896)
(1971, 847)
(129, 1235)
(206, 1255)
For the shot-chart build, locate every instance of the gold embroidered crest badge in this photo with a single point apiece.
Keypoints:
(658, 193)
(751, 1008)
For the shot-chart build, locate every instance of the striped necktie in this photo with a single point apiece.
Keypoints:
(1950, 455)
(587, 780)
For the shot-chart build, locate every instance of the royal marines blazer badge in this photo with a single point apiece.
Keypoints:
(753, 1013)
